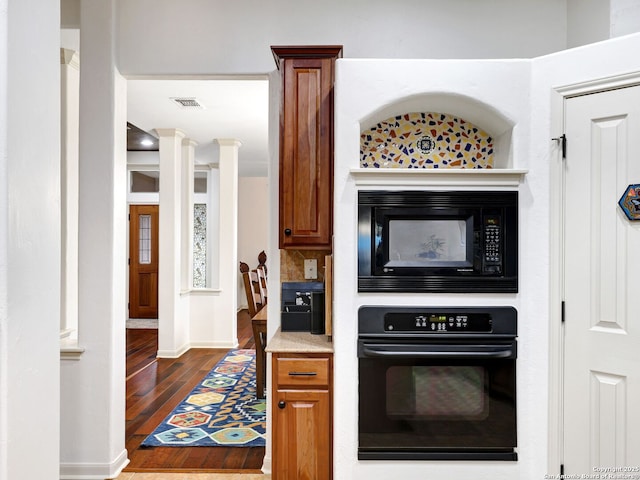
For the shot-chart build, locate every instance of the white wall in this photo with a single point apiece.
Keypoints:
(590, 21)
(69, 15)
(587, 21)
(481, 82)
(419, 29)
(253, 224)
(425, 29)
(529, 107)
(625, 17)
(203, 313)
(144, 158)
(172, 324)
(599, 61)
(234, 37)
(93, 391)
(70, 39)
(29, 238)
(70, 105)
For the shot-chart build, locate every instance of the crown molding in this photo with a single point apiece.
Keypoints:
(70, 58)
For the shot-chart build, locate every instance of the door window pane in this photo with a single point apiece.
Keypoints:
(144, 234)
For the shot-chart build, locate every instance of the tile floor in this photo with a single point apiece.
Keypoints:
(191, 476)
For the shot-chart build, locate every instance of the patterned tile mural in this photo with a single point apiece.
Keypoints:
(200, 245)
(425, 140)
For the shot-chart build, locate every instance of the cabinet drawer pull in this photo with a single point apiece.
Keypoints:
(302, 374)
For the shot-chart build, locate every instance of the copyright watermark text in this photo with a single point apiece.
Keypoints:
(600, 473)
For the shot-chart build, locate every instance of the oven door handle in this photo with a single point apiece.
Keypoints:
(438, 351)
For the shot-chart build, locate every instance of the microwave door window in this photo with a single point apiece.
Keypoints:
(427, 242)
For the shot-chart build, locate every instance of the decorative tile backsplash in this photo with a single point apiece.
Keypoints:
(425, 140)
(292, 264)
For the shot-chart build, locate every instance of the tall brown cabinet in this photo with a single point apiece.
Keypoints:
(302, 387)
(306, 145)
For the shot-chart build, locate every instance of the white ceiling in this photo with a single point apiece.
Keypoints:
(233, 108)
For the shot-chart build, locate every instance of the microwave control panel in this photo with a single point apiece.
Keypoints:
(492, 244)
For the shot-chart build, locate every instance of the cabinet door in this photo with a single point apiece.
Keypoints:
(302, 435)
(306, 155)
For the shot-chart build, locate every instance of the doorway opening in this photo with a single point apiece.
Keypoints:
(227, 108)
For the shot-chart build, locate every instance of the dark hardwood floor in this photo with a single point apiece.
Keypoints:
(156, 386)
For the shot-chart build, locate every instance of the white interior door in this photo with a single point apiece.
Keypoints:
(602, 302)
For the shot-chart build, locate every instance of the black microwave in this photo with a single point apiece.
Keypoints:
(438, 241)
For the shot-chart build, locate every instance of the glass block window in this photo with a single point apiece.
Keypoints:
(199, 245)
(144, 248)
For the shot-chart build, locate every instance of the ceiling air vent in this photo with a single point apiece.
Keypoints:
(184, 102)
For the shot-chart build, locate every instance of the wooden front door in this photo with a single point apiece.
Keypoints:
(143, 261)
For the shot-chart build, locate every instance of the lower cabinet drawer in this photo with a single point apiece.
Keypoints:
(303, 372)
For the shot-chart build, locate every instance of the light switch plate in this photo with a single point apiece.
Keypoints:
(310, 269)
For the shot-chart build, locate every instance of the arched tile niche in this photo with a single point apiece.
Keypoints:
(436, 131)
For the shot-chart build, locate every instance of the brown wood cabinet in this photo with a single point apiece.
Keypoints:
(306, 145)
(302, 413)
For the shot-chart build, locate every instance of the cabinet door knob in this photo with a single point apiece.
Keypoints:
(287, 231)
(281, 404)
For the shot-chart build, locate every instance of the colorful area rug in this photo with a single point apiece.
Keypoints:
(221, 411)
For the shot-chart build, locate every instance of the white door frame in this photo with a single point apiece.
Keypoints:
(556, 331)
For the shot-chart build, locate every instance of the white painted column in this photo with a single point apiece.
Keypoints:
(29, 238)
(69, 119)
(188, 155)
(228, 234)
(213, 223)
(93, 386)
(172, 322)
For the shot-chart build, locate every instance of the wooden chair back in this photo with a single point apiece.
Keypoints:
(262, 283)
(252, 291)
(262, 262)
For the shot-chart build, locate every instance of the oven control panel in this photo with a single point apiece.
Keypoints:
(434, 322)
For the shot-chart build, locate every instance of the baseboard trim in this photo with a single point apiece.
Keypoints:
(266, 465)
(185, 348)
(214, 345)
(94, 471)
(173, 353)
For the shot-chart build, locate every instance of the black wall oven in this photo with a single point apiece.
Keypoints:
(437, 383)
